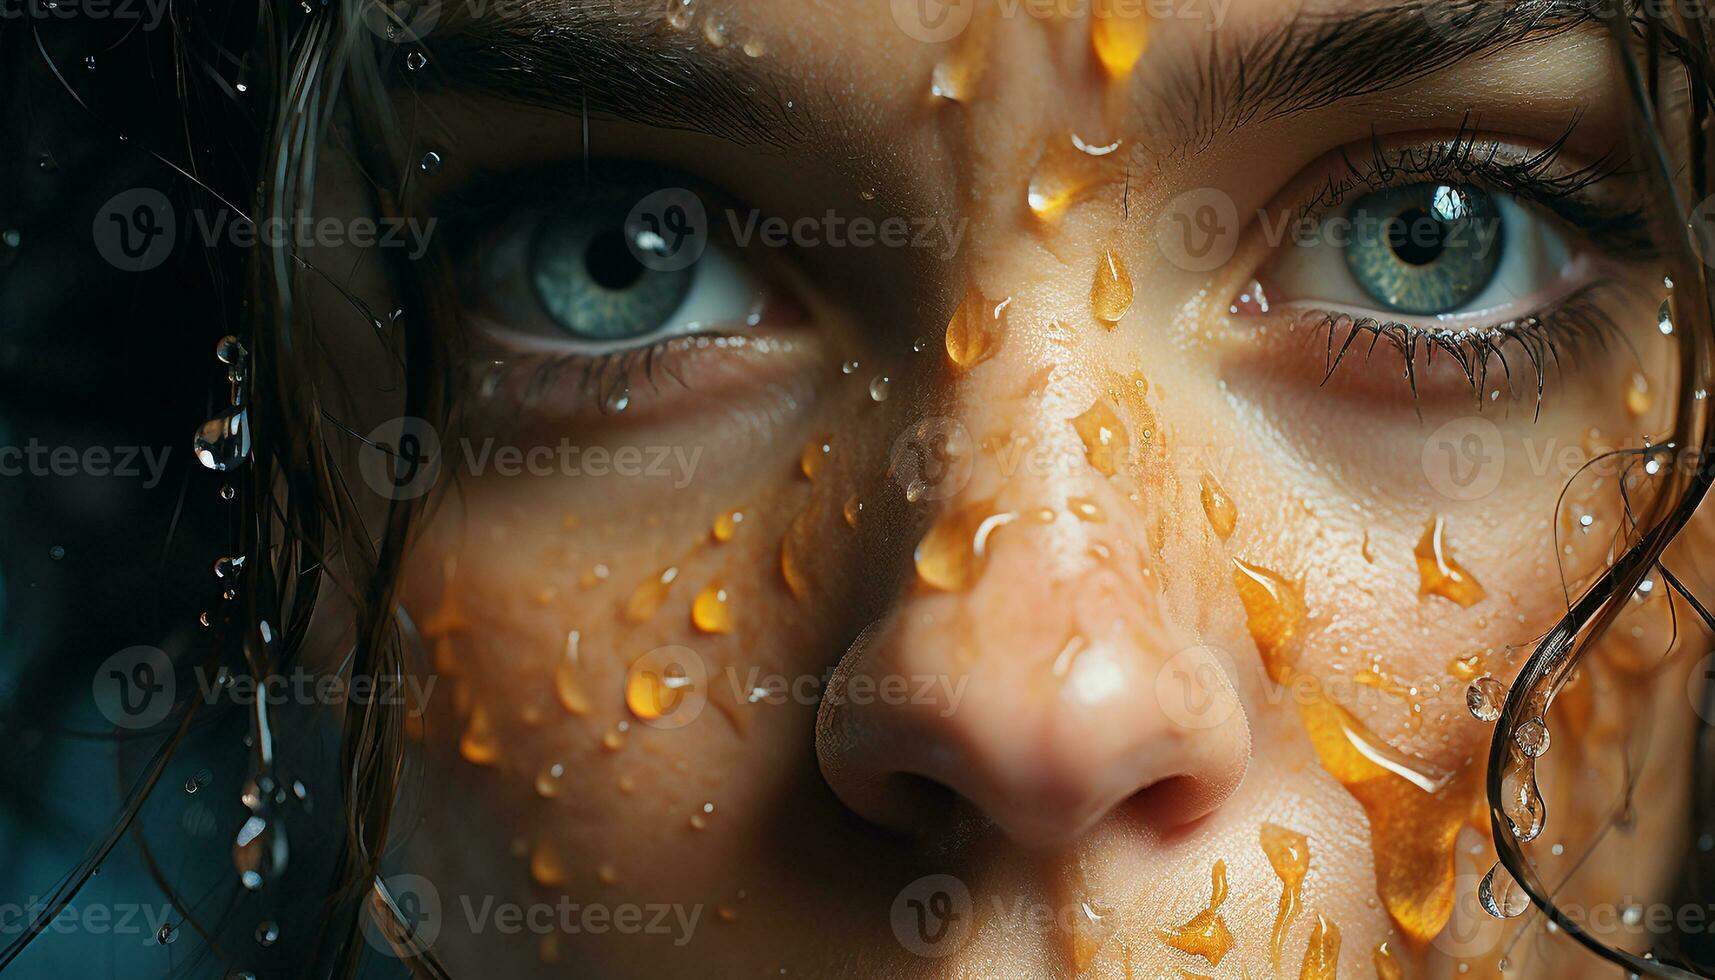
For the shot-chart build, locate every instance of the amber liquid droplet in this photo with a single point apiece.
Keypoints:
(1063, 176)
(1206, 933)
(975, 332)
(726, 525)
(549, 779)
(1086, 510)
(792, 550)
(1415, 814)
(956, 76)
(852, 510)
(1107, 444)
(1638, 396)
(952, 555)
(478, 745)
(649, 596)
(568, 687)
(1119, 33)
(1274, 610)
(1467, 667)
(613, 740)
(1219, 508)
(712, 611)
(1387, 965)
(1322, 955)
(816, 453)
(1439, 574)
(1289, 854)
(546, 866)
(1110, 293)
(596, 575)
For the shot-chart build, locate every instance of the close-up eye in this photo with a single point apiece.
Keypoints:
(705, 489)
(564, 271)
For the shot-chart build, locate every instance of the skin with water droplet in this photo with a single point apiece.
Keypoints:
(568, 687)
(549, 779)
(852, 509)
(1638, 396)
(1111, 291)
(1439, 573)
(478, 744)
(1107, 443)
(975, 331)
(1219, 508)
(793, 547)
(1086, 510)
(712, 610)
(1204, 934)
(957, 74)
(650, 595)
(1063, 176)
(1274, 610)
(1387, 964)
(547, 868)
(948, 558)
(1119, 34)
(1466, 667)
(815, 454)
(1322, 953)
(726, 525)
(1289, 854)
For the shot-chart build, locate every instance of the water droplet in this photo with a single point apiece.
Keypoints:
(1500, 895)
(711, 612)
(47, 164)
(415, 61)
(679, 15)
(167, 933)
(727, 524)
(1107, 444)
(1664, 318)
(793, 546)
(879, 386)
(223, 442)
(259, 849)
(1119, 33)
(814, 455)
(1532, 738)
(1485, 697)
(1439, 574)
(1522, 802)
(1063, 175)
(755, 48)
(479, 745)
(549, 780)
(618, 400)
(1322, 952)
(850, 367)
(654, 688)
(956, 76)
(851, 510)
(953, 554)
(56, 552)
(228, 567)
(12, 237)
(648, 597)
(203, 618)
(227, 492)
(1288, 852)
(1110, 293)
(568, 686)
(714, 32)
(976, 329)
(1204, 934)
(430, 164)
(1638, 396)
(89, 61)
(1274, 609)
(267, 933)
(1219, 508)
(198, 780)
(547, 868)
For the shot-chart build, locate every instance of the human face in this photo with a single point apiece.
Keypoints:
(1118, 560)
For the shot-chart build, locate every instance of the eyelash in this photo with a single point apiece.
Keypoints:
(1570, 328)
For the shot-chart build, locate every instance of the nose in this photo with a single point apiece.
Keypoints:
(1034, 669)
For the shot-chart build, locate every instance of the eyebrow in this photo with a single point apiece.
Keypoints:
(1315, 60)
(620, 59)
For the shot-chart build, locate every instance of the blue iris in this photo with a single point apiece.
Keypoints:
(591, 284)
(1425, 249)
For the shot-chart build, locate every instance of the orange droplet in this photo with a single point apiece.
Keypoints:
(1289, 854)
(1387, 965)
(596, 575)
(793, 547)
(549, 780)
(614, 738)
(1638, 396)
(1322, 954)
(953, 554)
(478, 745)
(1204, 934)
(1119, 33)
(816, 452)
(1274, 609)
(711, 612)
(727, 524)
(649, 596)
(956, 76)
(1107, 445)
(976, 330)
(1063, 176)
(568, 687)
(852, 510)
(1439, 574)
(1219, 508)
(547, 868)
(1467, 668)
(1087, 510)
(1110, 293)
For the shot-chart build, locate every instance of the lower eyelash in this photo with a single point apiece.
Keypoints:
(1570, 329)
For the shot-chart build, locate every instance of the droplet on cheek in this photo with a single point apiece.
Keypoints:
(793, 548)
(1206, 933)
(1111, 291)
(649, 596)
(1439, 573)
(1387, 964)
(1223, 515)
(549, 780)
(547, 868)
(726, 525)
(1322, 954)
(1288, 853)
(815, 454)
(975, 332)
(478, 745)
(1274, 609)
(852, 510)
(952, 555)
(711, 612)
(568, 686)
(1107, 444)
(1063, 175)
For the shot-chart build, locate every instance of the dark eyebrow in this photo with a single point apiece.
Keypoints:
(1317, 59)
(620, 59)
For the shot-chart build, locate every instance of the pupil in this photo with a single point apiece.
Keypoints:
(610, 263)
(1416, 236)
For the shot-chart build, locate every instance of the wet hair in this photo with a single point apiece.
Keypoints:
(229, 103)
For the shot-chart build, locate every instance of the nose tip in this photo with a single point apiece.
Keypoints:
(1045, 738)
